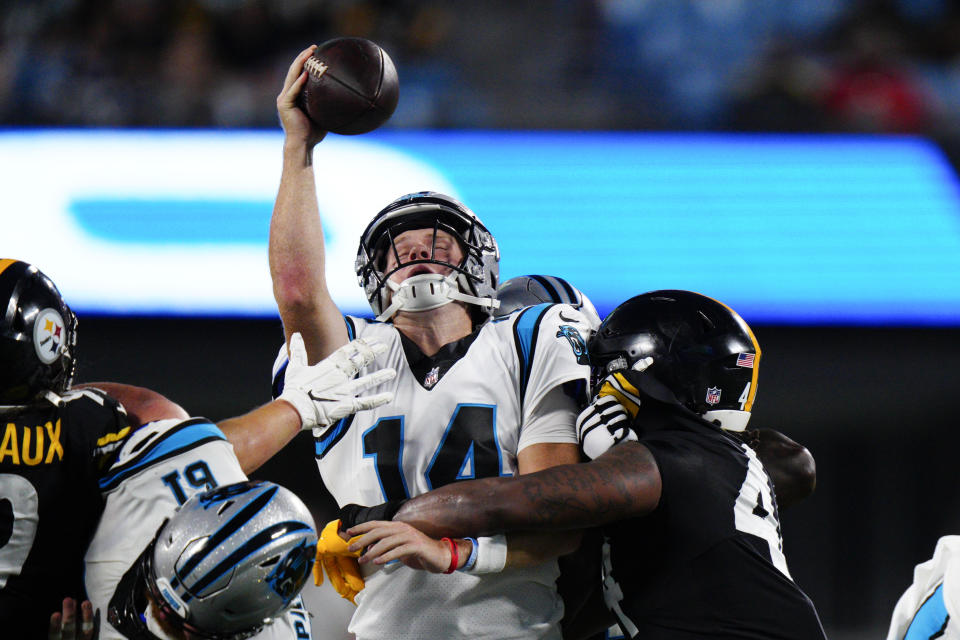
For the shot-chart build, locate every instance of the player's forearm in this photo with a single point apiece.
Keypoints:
(142, 405)
(622, 483)
(462, 509)
(297, 259)
(258, 435)
(296, 247)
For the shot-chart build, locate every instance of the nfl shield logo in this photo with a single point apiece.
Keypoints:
(713, 395)
(432, 378)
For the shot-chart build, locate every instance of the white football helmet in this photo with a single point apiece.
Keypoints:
(474, 280)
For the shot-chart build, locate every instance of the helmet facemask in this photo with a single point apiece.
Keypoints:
(472, 280)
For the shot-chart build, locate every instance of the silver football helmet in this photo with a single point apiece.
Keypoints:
(232, 559)
(526, 291)
(473, 281)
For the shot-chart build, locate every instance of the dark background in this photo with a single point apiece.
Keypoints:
(875, 406)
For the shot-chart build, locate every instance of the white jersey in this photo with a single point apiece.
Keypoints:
(160, 467)
(450, 422)
(931, 606)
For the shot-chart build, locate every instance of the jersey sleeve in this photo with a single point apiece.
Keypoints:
(279, 370)
(934, 596)
(158, 468)
(111, 425)
(552, 353)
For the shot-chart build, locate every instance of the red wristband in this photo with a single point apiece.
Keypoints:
(454, 555)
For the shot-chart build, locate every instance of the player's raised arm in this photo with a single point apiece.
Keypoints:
(296, 246)
(142, 405)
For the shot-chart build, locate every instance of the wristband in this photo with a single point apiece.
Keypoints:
(454, 555)
(491, 555)
(472, 558)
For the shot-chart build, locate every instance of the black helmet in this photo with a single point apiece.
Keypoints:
(38, 335)
(474, 280)
(705, 357)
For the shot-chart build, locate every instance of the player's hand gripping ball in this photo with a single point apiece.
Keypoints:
(351, 86)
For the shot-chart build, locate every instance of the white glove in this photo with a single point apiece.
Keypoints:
(603, 424)
(326, 392)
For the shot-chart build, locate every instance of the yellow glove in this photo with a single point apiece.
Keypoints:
(338, 561)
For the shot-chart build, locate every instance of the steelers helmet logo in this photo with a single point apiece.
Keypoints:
(49, 334)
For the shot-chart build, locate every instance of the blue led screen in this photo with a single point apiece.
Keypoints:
(785, 229)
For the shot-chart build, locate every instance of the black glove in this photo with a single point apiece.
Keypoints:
(354, 514)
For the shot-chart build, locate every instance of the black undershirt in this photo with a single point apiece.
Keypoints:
(429, 369)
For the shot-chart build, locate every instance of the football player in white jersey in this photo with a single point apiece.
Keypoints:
(173, 457)
(692, 545)
(930, 607)
(91, 459)
(474, 398)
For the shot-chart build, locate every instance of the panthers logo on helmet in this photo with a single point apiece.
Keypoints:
(577, 343)
(48, 335)
(290, 574)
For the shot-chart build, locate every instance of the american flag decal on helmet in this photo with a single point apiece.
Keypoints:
(745, 360)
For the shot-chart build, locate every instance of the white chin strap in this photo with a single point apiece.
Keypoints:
(429, 291)
(729, 419)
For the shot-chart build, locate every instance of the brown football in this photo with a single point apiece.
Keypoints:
(351, 86)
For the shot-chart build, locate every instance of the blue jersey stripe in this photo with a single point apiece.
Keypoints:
(186, 436)
(332, 436)
(525, 332)
(278, 380)
(930, 619)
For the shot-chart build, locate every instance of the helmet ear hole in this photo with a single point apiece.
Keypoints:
(269, 562)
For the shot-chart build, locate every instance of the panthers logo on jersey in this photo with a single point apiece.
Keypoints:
(577, 343)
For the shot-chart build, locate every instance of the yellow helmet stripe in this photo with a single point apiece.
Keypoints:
(6, 262)
(748, 405)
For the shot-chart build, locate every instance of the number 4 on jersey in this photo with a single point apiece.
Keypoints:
(755, 511)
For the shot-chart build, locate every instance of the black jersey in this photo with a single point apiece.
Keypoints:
(708, 561)
(50, 503)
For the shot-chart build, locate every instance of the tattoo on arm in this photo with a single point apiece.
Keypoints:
(622, 483)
